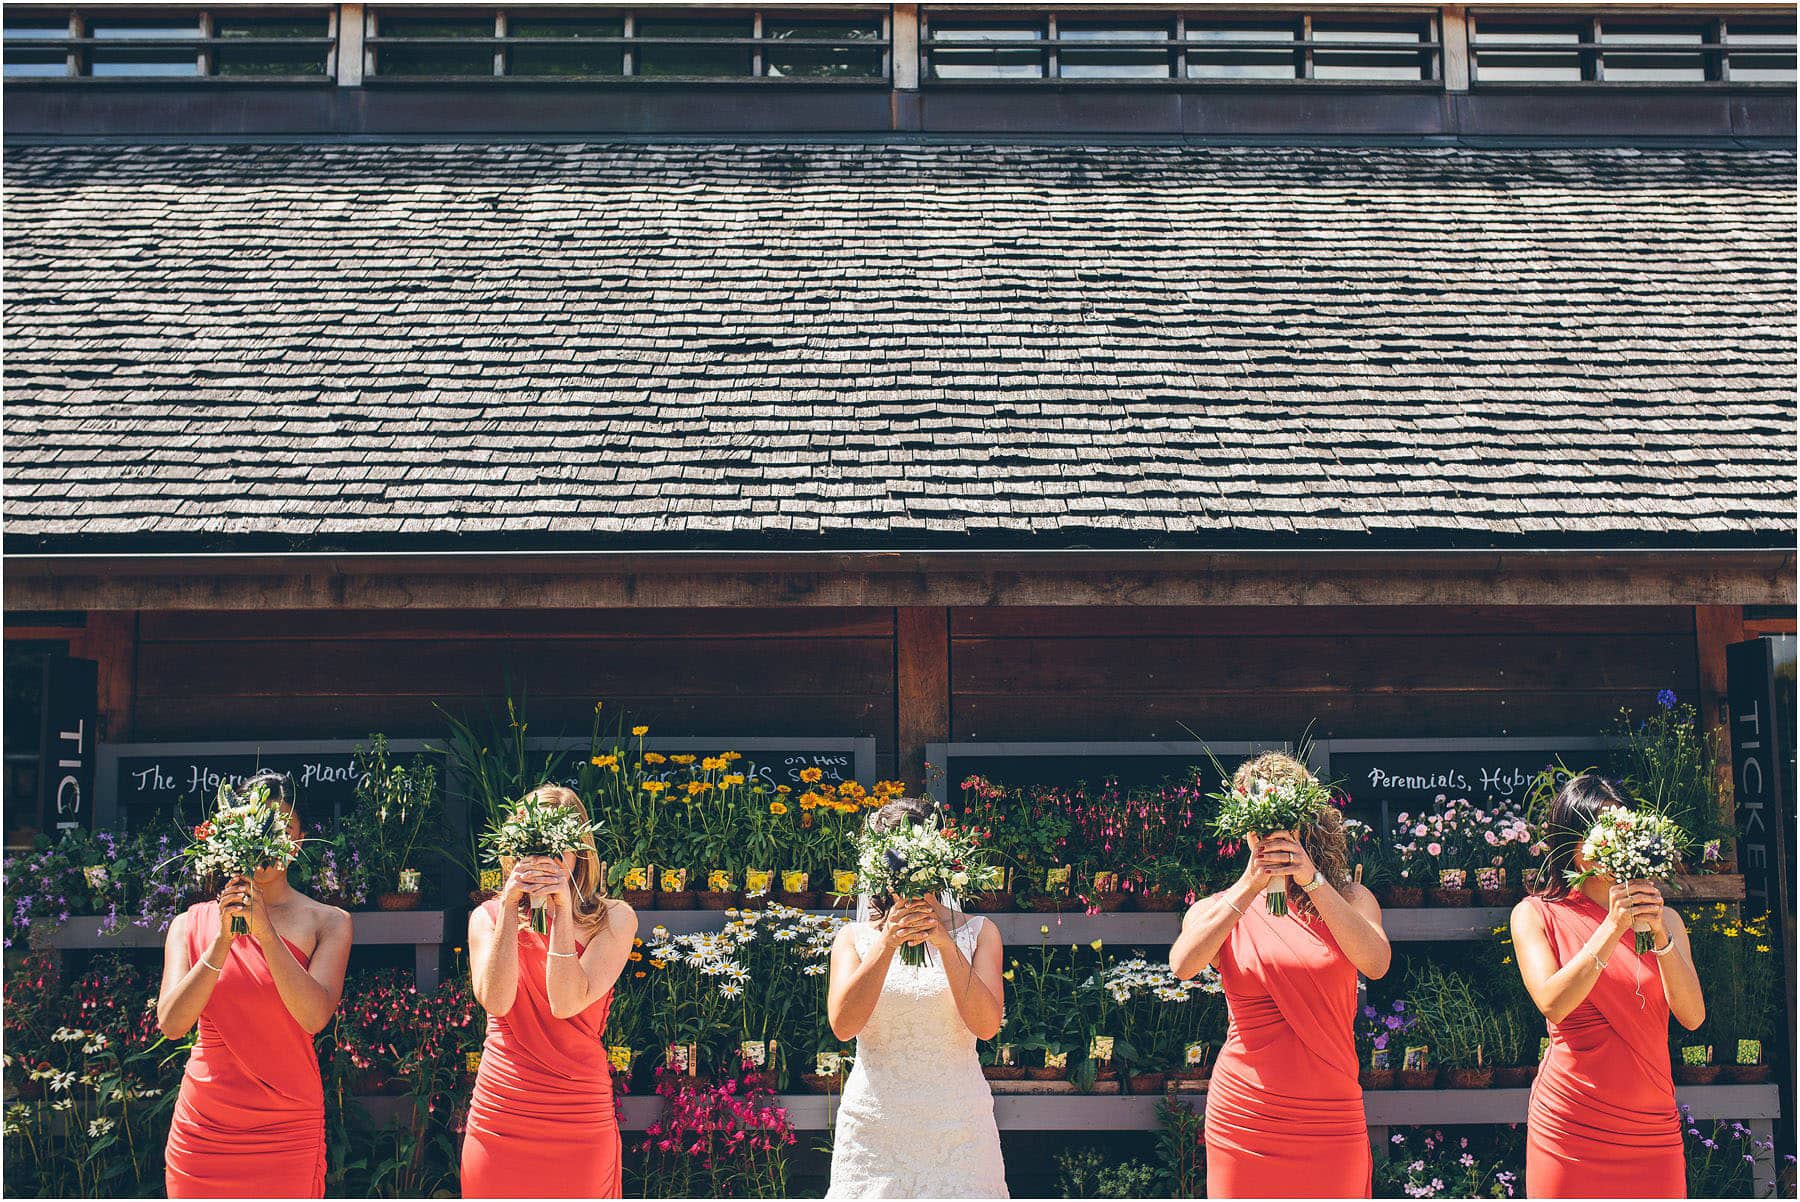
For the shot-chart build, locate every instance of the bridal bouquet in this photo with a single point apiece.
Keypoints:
(1265, 807)
(1631, 845)
(246, 832)
(534, 827)
(917, 860)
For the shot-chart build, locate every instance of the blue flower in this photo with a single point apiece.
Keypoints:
(1666, 698)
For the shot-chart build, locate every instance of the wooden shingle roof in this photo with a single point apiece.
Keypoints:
(897, 345)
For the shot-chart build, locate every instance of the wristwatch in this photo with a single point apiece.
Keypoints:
(1310, 886)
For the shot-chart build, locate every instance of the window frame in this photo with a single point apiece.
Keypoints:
(1714, 50)
(78, 45)
(1303, 46)
(630, 42)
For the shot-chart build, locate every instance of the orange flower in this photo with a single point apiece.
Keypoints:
(655, 757)
(777, 808)
(811, 776)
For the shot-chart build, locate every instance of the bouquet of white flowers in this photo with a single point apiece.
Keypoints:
(916, 860)
(535, 827)
(246, 831)
(1265, 807)
(1631, 845)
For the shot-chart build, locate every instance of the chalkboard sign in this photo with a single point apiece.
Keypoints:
(1388, 777)
(1065, 765)
(143, 782)
(774, 761)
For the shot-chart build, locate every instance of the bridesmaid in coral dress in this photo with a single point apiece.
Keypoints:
(250, 1118)
(541, 1121)
(1602, 1121)
(1284, 1113)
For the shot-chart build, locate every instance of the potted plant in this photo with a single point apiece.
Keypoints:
(721, 892)
(1416, 1070)
(829, 1070)
(1002, 1061)
(994, 894)
(1460, 1024)
(1163, 886)
(396, 817)
(1694, 1066)
(1736, 959)
(1381, 1034)
(1103, 893)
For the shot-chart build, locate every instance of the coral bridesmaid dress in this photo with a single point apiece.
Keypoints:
(250, 1118)
(1284, 1112)
(541, 1121)
(1603, 1122)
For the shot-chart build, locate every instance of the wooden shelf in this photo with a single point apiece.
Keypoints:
(1137, 1112)
(1022, 930)
(423, 930)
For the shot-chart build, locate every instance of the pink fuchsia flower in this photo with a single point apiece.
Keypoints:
(1436, 849)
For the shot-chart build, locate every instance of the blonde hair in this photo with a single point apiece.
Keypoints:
(1323, 837)
(587, 883)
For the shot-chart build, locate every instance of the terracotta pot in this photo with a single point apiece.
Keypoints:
(839, 901)
(1743, 1074)
(1153, 902)
(821, 1082)
(1109, 902)
(1695, 1074)
(1451, 899)
(1417, 1078)
(1148, 1082)
(1499, 897)
(1003, 1072)
(800, 901)
(479, 897)
(1109, 1073)
(1191, 1081)
(1514, 1076)
(1468, 1078)
(993, 901)
(1376, 1078)
(1041, 1073)
(1405, 897)
(681, 900)
(638, 899)
(1054, 903)
(398, 901)
(717, 899)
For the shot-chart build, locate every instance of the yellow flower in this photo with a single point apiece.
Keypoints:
(783, 789)
(852, 790)
(1097, 944)
(640, 731)
(1762, 947)
(1007, 975)
(659, 964)
(810, 800)
(655, 757)
(811, 776)
(731, 779)
(732, 756)
(1043, 930)
(713, 763)
(634, 957)
(683, 760)
(606, 761)
(653, 787)
(777, 808)
(696, 787)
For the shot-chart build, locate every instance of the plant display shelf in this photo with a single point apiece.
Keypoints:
(423, 929)
(1754, 1105)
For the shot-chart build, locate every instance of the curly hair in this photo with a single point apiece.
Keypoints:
(1323, 838)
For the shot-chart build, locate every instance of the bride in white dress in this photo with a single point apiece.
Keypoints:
(917, 1117)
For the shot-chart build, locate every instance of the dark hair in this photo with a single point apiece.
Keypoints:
(902, 809)
(279, 784)
(1572, 816)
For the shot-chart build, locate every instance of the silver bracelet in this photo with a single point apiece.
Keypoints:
(1227, 901)
(211, 965)
(564, 955)
(1666, 948)
(1598, 962)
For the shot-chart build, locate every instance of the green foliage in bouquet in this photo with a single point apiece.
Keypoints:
(533, 826)
(1631, 845)
(1264, 807)
(918, 860)
(246, 831)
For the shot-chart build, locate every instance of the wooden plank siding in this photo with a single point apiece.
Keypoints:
(910, 676)
(816, 672)
(1267, 672)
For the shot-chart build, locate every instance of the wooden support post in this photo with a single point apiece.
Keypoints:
(921, 686)
(110, 639)
(905, 47)
(1715, 628)
(1455, 37)
(350, 48)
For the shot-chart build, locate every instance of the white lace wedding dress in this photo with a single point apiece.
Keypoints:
(917, 1117)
